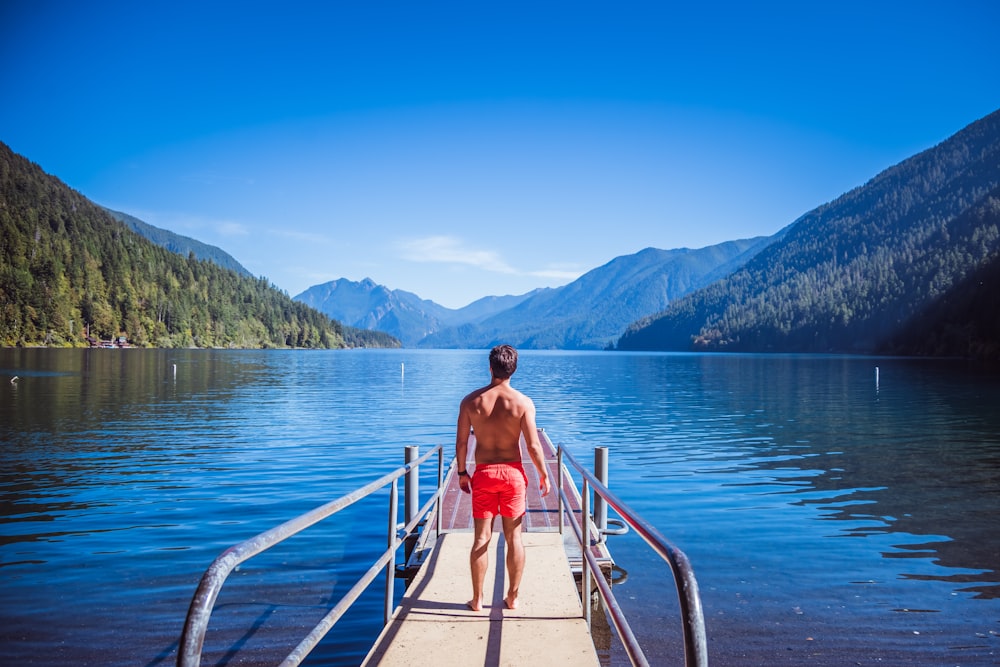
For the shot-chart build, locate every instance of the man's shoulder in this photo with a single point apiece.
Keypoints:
(474, 394)
(521, 396)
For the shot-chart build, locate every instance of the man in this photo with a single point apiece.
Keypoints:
(499, 415)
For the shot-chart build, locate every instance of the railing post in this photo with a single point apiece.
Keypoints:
(411, 497)
(585, 547)
(601, 507)
(390, 567)
(559, 486)
(440, 500)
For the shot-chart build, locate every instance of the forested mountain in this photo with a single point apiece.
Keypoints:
(592, 311)
(906, 264)
(68, 267)
(402, 314)
(182, 245)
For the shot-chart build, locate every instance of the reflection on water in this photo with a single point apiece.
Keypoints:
(919, 456)
(831, 517)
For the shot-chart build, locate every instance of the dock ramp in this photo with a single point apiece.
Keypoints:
(432, 623)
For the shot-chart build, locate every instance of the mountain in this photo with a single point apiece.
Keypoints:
(905, 264)
(404, 315)
(963, 322)
(595, 309)
(182, 245)
(70, 273)
(589, 313)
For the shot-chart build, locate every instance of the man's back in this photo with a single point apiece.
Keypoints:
(497, 414)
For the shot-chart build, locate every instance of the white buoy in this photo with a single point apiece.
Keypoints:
(876, 378)
(175, 371)
(402, 369)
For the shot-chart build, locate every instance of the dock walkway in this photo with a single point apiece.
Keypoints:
(547, 628)
(432, 625)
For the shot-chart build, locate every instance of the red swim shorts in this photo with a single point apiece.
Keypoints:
(498, 488)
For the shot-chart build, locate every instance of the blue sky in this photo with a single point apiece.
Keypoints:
(459, 150)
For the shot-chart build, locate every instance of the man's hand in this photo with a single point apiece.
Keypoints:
(465, 483)
(543, 486)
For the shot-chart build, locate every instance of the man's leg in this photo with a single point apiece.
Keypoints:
(479, 560)
(515, 559)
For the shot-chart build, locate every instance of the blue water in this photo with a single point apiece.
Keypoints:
(832, 516)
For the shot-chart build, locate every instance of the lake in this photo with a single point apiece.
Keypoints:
(836, 510)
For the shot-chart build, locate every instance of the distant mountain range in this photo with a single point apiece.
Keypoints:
(589, 313)
(403, 315)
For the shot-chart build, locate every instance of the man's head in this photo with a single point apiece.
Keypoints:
(503, 361)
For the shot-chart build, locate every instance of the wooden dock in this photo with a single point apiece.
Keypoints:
(433, 623)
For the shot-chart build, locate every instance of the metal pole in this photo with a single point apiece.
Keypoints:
(440, 500)
(559, 485)
(584, 548)
(411, 496)
(390, 567)
(601, 507)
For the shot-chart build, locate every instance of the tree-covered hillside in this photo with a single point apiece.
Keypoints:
(181, 245)
(67, 267)
(864, 272)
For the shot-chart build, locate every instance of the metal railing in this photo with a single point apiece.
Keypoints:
(692, 617)
(193, 636)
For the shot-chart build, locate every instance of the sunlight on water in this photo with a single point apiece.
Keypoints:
(823, 513)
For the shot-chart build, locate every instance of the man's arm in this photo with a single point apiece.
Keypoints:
(530, 431)
(462, 448)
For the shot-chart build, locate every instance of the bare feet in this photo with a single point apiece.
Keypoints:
(511, 601)
(475, 605)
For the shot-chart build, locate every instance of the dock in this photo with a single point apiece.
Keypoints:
(433, 623)
(547, 627)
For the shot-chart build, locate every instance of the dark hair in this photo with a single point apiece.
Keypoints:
(503, 361)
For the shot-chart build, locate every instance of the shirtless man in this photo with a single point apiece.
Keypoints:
(499, 415)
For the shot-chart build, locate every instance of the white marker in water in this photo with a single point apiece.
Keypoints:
(402, 369)
(876, 378)
(175, 371)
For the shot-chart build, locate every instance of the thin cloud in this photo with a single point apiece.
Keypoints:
(227, 228)
(298, 235)
(450, 250)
